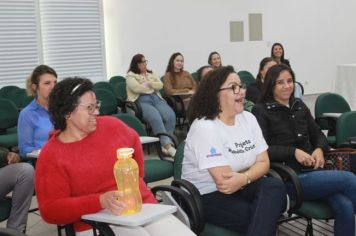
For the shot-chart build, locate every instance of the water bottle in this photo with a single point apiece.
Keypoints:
(126, 176)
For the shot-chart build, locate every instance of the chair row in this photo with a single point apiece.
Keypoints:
(333, 113)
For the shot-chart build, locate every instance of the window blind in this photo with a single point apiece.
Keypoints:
(73, 38)
(19, 50)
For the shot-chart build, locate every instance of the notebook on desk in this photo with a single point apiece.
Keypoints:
(149, 213)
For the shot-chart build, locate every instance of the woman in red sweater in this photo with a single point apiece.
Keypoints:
(74, 172)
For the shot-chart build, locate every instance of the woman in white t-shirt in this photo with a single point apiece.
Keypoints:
(226, 158)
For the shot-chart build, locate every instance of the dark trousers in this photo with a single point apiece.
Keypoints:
(253, 210)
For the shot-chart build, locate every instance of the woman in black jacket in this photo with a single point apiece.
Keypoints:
(295, 139)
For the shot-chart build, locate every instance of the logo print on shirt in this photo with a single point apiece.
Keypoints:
(213, 153)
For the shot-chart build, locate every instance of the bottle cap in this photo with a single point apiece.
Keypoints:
(125, 152)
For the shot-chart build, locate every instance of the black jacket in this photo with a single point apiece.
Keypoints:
(287, 128)
(253, 92)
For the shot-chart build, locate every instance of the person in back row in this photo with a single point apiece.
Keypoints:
(74, 172)
(17, 178)
(177, 80)
(254, 89)
(143, 86)
(225, 157)
(295, 139)
(203, 71)
(34, 123)
(277, 52)
(214, 60)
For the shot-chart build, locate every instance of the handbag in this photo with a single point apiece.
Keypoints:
(341, 159)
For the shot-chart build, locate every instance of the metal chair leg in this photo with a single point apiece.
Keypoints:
(309, 229)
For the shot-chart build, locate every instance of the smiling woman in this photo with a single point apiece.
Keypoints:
(225, 157)
(295, 139)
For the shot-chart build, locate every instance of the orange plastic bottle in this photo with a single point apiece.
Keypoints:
(126, 176)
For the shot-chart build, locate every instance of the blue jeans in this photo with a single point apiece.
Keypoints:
(158, 115)
(338, 189)
(253, 210)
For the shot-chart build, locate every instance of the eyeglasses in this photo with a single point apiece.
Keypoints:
(143, 62)
(92, 107)
(235, 88)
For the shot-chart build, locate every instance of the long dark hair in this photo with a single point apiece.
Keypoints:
(270, 82)
(134, 64)
(263, 62)
(282, 60)
(170, 66)
(205, 102)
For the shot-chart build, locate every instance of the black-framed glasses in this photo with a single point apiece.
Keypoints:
(235, 88)
(92, 107)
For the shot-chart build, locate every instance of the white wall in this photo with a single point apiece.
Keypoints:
(317, 35)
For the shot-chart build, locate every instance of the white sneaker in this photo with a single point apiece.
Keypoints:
(169, 152)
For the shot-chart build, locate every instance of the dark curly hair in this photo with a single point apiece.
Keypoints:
(205, 102)
(270, 82)
(64, 99)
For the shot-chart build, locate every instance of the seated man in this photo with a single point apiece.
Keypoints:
(18, 178)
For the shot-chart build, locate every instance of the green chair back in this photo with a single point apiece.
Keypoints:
(345, 127)
(120, 90)
(154, 169)
(108, 101)
(195, 76)
(5, 208)
(4, 91)
(162, 89)
(132, 122)
(18, 96)
(246, 77)
(8, 114)
(117, 79)
(209, 229)
(104, 85)
(329, 103)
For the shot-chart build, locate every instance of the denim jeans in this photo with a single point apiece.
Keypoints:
(253, 210)
(338, 189)
(158, 115)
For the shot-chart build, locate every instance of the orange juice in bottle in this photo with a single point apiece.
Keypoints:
(126, 176)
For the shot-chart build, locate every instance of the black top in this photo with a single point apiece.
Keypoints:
(287, 128)
(253, 92)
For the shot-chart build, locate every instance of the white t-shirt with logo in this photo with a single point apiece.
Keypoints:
(211, 143)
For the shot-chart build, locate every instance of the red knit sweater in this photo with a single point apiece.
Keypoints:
(71, 176)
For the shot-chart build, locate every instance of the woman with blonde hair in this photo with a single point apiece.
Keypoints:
(34, 123)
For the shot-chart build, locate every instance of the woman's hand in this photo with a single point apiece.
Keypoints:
(109, 200)
(318, 156)
(231, 182)
(304, 158)
(12, 158)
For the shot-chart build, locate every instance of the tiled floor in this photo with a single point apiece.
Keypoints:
(36, 226)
